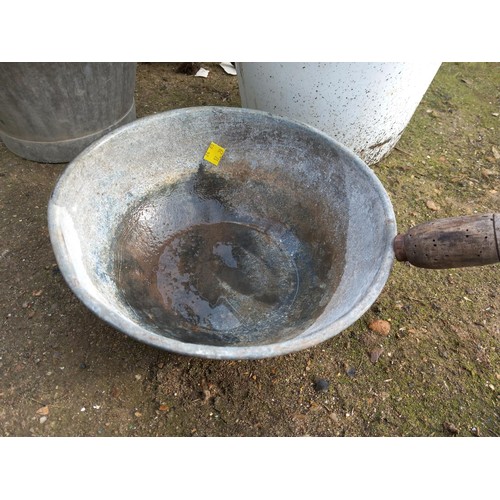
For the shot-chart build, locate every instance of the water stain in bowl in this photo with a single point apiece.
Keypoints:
(223, 260)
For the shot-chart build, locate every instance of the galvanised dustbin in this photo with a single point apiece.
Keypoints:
(50, 112)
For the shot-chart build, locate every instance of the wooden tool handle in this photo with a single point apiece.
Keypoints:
(455, 242)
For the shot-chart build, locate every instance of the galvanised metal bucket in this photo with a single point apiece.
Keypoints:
(50, 112)
(364, 105)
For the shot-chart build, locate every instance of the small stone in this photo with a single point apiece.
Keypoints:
(164, 408)
(351, 371)
(380, 326)
(321, 385)
(37, 293)
(138, 414)
(138, 377)
(43, 420)
(451, 428)
(495, 152)
(375, 354)
(83, 365)
(432, 205)
(333, 417)
(474, 431)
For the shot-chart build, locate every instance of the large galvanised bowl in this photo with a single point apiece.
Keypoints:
(275, 244)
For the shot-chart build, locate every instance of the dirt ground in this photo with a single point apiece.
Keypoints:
(64, 372)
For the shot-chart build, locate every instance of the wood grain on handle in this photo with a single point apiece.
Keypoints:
(455, 242)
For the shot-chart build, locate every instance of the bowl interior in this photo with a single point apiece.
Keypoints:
(282, 244)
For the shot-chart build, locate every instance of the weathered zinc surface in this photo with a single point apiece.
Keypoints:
(50, 112)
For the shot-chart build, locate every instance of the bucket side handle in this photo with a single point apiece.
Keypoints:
(472, 240)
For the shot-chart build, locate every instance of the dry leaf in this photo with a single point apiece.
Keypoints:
(299, 418)
(375, 354)
(495, 152)
(164, 408)
(44, 410)
(37, 293)
(315, 407)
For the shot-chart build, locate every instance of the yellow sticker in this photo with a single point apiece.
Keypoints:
(214, 153)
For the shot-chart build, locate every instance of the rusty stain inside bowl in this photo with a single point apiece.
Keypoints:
(228, 258)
